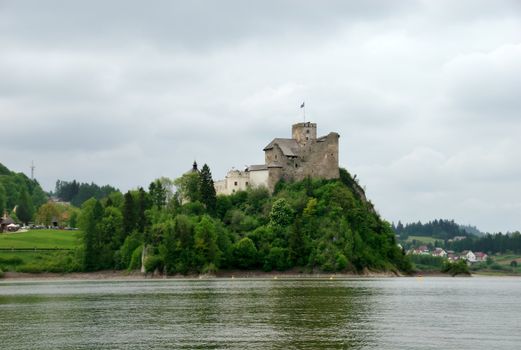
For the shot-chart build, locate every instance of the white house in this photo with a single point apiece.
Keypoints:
(468, 255)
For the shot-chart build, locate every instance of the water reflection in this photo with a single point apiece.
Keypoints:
(261, 314)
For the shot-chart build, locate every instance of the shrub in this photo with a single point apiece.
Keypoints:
(341, 262)
(135, 261)
(153, 262)
(456, 268)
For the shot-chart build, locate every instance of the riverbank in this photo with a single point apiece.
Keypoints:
(227, 274)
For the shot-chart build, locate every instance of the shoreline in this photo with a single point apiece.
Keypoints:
(228, 274)
(122, 275)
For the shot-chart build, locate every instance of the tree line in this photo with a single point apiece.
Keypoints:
(441, 229)
(312, 224)
(78, 192)
(19, 195)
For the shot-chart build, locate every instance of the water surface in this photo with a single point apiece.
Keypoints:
(388, 313)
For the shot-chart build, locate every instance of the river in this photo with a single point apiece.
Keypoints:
(358, 313)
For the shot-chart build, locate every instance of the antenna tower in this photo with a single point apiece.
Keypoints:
(32, 169)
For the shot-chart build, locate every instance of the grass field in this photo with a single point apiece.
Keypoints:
(424, 240)
(40, 239)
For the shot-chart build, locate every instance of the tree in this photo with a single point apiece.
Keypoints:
(281, 214)
(47, 212)
(3, 199)
(143, 203)
(205, 243)
(25, 209)
(245, 254)
(129, 214)
(157, 194)
(207, 189)
(91, 215)
(188, 187)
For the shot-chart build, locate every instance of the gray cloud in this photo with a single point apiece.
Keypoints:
(423, 93)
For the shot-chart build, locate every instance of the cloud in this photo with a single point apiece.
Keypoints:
(423, 94)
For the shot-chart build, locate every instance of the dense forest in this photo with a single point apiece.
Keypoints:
(497, 243)
(440, 229)
(313, 225)
(20, 192)
(77, 193)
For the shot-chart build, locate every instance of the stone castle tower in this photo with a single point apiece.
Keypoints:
(301, 156)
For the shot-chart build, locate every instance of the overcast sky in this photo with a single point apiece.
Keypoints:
(426, 95)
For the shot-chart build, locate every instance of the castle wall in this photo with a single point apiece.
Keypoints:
(259, 178)
(317, 159)
(303, 156)
(304, 132)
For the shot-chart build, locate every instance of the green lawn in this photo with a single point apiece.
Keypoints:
(424, 240)
(39, 261)
(40, 239)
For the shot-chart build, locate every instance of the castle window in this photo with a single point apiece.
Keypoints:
(275, 156)
(235, 183)
(307, 131)
(307, 138)
(246, 183)
(296, 165)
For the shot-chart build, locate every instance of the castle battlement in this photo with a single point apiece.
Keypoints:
(301, 156)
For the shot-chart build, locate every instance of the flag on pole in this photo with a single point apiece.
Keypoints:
(302, 105)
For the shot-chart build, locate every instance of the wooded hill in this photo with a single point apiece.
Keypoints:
(316, 225)
(20, 192)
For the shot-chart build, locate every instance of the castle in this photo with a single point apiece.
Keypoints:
(303, 155)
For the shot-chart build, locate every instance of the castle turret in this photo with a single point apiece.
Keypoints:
(304, 132)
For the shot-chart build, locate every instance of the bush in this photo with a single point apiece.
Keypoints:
(1, 273)
(277, 259)
(15, 260)
(341, 262)
(456, 268)
(153, 263)
(135, 261)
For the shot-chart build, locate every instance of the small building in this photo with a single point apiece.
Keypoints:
(439, 252)
(480, 256)
(7, 223)
(468, 255)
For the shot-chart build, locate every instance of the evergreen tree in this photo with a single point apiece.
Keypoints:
(157, 194)
(143, 204)
(129, 214)
(3, 199)
(24, 209)
(91, 215)
(208, 195)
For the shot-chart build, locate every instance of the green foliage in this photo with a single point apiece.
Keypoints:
(3, 198)
(456, 268)
(124, 254)
(206, 249)
(77, 193)
(317, 224)
(25, 208)
(277, 259)
(207, 190)
(157, 194)
(245, 254)
(153, 263)
(427, 262)
(135, 260)
(188, 187)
